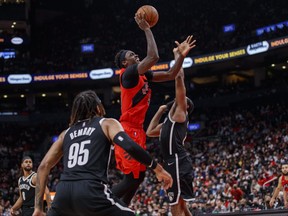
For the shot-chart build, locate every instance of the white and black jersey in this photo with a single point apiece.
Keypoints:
(83, 188)
(172, 137)
(177, 160)
(27, 190)
(86, 151)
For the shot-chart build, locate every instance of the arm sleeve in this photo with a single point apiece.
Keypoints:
(139, 154)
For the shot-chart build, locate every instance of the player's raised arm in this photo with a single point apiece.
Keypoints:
(152, 51)
(183, 49)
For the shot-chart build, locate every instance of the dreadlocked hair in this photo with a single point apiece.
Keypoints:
(119, 58)
(86, 105)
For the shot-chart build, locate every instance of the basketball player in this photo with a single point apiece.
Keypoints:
(86, 150)
(26, 184)
(282, 184)
(135, 97)
(172, 133)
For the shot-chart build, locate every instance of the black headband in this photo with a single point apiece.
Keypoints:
(122, 55)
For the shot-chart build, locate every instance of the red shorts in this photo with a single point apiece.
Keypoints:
(124, 161)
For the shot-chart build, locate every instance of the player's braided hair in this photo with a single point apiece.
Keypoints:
(120, 56)
(86, 105)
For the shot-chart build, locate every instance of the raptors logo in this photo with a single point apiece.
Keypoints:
(145, 88)
(171, 196)
(285, 186)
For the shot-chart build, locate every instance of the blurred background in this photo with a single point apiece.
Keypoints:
(236, 76)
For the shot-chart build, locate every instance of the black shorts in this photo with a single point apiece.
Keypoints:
(86, 197)
(182, 173)
(27, 211)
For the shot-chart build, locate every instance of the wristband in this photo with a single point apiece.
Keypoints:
(153, 165)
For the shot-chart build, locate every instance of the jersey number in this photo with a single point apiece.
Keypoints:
(78, 154)
(23, 195)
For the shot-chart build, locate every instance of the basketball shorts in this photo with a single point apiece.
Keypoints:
(182, 174)
(124, 161)
(27, 211)
(86, 197)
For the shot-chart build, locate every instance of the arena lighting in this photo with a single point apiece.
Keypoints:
(5, 96)
(22, 96)
(107, 73)
(8, 113)
(283, 67)
(43, 95)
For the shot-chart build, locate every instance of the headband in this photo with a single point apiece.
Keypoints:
(122, 55)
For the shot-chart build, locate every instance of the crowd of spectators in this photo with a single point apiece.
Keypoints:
(237, 151)
(55, 45)
(235, 154)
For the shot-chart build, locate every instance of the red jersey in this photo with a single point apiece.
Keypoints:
(284, 183)
(134, 106)
(135, 102)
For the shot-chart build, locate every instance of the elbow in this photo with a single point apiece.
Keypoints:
(154, 59)
(148, 133)
(152, 133)
(171, 75)
(44, 167)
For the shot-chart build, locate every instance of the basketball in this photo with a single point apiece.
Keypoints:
(150, 14)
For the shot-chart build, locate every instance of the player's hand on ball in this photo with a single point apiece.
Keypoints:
(142, 23)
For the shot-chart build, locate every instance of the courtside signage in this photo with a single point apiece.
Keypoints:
(2, 79)
(221, 56)
(279, 42)
(19, 79)
(60, 77)
(256, 48)
(188, 62)
(101, 73)
(17, 40)
(106, 73)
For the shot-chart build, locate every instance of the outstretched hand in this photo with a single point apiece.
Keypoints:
(163, 176)
(142, 23)
(184, 48)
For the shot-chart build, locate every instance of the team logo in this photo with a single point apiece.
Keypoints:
(256, 48)
(171, 196)
(145, 88)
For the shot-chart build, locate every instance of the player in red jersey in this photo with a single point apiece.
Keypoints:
(135, 97)
(282, 184)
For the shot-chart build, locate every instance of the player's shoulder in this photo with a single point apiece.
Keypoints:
(109, 121)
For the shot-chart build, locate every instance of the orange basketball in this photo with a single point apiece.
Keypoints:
(150, 14)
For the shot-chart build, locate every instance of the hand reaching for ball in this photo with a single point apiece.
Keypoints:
(142, 23)
(184, 48)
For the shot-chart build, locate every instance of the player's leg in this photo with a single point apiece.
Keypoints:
(177, 210)
(184, 208)
(127, 188)
(186, 181)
